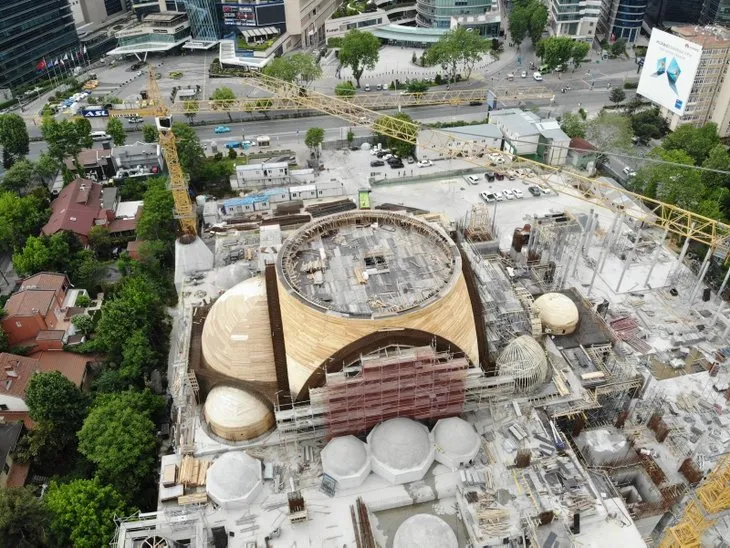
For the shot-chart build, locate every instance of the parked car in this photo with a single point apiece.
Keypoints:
(629, 172)
(222, 129)
(508, 194)
(523, 74)
(518, 193)
(425, 163)
(472, 179)
(396, 165)
(489, 175)
(234, 144)
(511, 174)
(488, 197)
(537, 76)
(499, 176)
(544, 189)
(367, 87)
(377, 163)
(534, 191)
(499, 196)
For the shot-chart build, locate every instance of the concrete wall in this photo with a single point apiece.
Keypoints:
(13, 403)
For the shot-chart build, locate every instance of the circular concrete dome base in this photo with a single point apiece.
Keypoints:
(558, 314)
(425, 531)
(237, 415)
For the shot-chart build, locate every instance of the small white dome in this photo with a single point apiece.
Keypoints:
(347, 460)
(525, 361)
(456, 442)
(425, 531)
(234, 478)
(236, 414)
(558, 314)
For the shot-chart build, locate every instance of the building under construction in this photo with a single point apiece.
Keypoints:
(390, 378)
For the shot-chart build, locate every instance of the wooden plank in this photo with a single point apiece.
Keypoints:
(169, 475)
(194, 498)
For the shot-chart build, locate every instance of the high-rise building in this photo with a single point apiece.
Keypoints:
(621, 19)
(715, 12)
(32, 31)
(438, 13)
(574, 18)
(205, 19)
(95, 11)
(664, 13)
(709, 100)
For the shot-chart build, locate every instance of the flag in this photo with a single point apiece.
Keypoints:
(78, 54)
(65, 58)
(50, 64)
(63, 63)
(84, 50)
(41, 65)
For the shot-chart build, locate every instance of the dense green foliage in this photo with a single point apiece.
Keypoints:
(527, 18)
(455, 48)
(115, 129)
(359, 51)
(20, 218)
(299, 68)
(66, 138)
(14, 138)
(24, 519)
(400, 122)
(345, 89)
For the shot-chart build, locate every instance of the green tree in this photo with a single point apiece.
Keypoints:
(618, 48)
(401, 124)
(345, 89)
(191, 109)
(42, 253)
(100, 240)
(222, 98)
(149, 133)
(46, 166)
(84, 324)
(555, 51)
(580, 50)
(115, 129)
(697, 142)
(189, 149)
(157, 221)
(519, 22)
(18, 177)
(359, 51)
(648, 124)
(609, 131)
(718, 159)
(573, 125)
(350, 136)
(137, 357)
(66, 138)
(314, 138)
(13, 138)
(538, 21)
(52, 398)
(665, 181)
(86, 271)
(83, 512)
(24, 519)
(299, 68)
(617, 95)
(118, 436)
(19, 218)
(457, 47)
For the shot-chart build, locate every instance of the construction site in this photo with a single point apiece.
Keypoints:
(361, 373)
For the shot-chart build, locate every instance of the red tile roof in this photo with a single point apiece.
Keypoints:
(71, 365)
(15, 416)
(18, 475)
(44, 280)
(122, 225)
(15, 372)
(577, 143)
(89, 157)
(29, 303)
(75, 208)
(50, 335)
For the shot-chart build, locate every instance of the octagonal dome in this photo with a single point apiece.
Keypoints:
(425, 531)
(347, 460)
(401, 450)
(234, 479)
(456, 442)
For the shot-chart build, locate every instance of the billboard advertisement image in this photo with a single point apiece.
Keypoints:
(669, 70)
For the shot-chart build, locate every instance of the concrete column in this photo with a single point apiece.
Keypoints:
(701, 276)
(583, 240)
(615, 228)
(594, 226)
(724, 282)
(629, 258)
(653, 263)
(683, 252)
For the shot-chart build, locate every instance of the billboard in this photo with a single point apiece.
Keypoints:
(239, 15)
(669, 70)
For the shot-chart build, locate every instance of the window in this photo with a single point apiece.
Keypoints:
(18, 324)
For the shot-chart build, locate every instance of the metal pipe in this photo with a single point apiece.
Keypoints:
(717, 313)
(703, 270)
(629, 257)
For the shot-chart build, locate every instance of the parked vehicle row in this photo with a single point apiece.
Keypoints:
(513, 193)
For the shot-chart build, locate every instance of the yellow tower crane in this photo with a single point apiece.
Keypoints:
(709, 500)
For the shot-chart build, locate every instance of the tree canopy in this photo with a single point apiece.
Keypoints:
(52, 398)
(580, 50)
(573, 125)
(697, 142)
(13, 138)
(149, 133)
(46, 166)
(157, 221)
(345, 89)
(402, 123)
(19, 218)
(359, 51)
(648, 124)
(118, 436)
(24, 519)
(189, 150)
(18, 177)
(556, 51)
(609, 131)
(617, 95)
(83, 512)
(457, 47)
(115, 129)
(314, 138)
(222, 97)
(66, 138)
(299, 68)
(527, 18)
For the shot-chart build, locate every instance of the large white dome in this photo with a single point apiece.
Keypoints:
(558, 314)
(236, 414)
(401, 450)
(425, 531)
(524, 360)
(236, 337)
(456, 442)
(234, 478)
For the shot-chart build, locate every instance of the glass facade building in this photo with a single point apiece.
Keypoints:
(661, 13)
(205, 21)
(438, 13)
(715, 12)
(628, 19)
(30, 31)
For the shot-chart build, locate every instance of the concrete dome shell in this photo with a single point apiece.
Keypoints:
(236, 339)
(346, 459)
(558, 314)
(401, 450)
(236, 414)
(235, 478)
(525, 361)
(425, 531)
(456, 442)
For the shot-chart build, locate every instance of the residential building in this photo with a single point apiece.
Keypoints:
(621, 19)
(95, 11)
(12, 474)
(715, 12)
(553, 143)
(525, 134)
(96, 161)
(147, 155)
(459, 141)
(575, 18)
(709, 100)
(438, 13)
(582, 153)
(158, 32)
(33, 32)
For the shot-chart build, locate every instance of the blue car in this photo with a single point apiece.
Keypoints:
(222, 129)
(234, 144)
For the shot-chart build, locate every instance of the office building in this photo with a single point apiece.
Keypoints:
(438, 13)
(205, 19)
(158, 32)
(709, 100)
(96, 11)
(664, 13)
(31, 31)
(579, 20)
(715, 12)
(305, 21)
(622, 19)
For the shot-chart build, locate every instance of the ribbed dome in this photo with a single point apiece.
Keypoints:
(558, 314)
(525, 361)
(456, 441)
(236, 414)
(234, 477)
(347, 460)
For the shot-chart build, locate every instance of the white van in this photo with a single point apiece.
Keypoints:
(100, 136)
